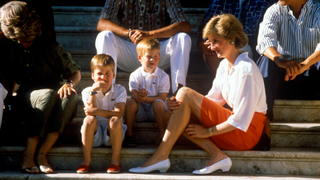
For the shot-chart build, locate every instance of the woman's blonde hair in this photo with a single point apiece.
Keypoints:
(19, 22)
(228, 27)
(147, 44)
(101, 60)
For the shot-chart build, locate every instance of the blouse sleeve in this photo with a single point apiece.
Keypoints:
(245, 102)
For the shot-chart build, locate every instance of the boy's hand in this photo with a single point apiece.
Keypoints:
(89, 110)
(65, 91)
(142, 95)
(99, 86)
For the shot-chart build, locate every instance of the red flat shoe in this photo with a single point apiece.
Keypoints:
(114, 168)
(83, 169)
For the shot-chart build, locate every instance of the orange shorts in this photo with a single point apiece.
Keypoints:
(213, 114)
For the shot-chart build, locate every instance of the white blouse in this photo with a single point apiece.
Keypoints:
(242, 89)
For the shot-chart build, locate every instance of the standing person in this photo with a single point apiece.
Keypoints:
(238, 83)
(289, 42)
(149, 87)
(248, 12)
(104, 106)
(47, 75)
(123, 23)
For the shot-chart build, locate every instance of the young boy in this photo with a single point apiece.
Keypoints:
(104, 106)
(149, 86)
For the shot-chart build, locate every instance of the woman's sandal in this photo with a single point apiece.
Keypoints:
(30, 170)
(43, 168)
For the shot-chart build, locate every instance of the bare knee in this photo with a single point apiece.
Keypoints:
(158, 106)
(132, 105)
(114, 124)
(184, 94)
(90, 121)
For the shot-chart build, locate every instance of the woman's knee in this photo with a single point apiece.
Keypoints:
(184, 94)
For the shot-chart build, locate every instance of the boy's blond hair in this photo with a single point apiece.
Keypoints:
(147, 44)
(228, 27)
(101, 60)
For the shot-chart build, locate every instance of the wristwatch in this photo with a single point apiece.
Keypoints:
(92, 92)
(211, 131)
(70, 82)
(128, 33)
(278, 58)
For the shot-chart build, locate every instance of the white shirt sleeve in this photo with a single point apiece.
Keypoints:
(121, 94)
(164, 84)
(245, 103)
(134, 81)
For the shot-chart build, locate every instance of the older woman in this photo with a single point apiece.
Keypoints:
(238, 83)
(46, 98)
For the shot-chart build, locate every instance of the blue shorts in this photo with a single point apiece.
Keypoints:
(145, 112)
(101, 136)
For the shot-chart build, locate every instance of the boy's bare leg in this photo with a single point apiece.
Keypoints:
(28, 159)
(116, 136)
(190, 102)
(159, 111)
(90, 127)
(132, 108)
(47, 144)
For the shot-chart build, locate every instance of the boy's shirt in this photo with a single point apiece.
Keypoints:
(116, 94)
(155, 83)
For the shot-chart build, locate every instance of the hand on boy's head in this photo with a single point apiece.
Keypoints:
(137, 35)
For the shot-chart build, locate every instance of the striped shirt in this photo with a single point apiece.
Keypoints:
(295, 39)
(248, 12)
(145, 15)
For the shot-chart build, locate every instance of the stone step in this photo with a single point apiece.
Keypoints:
(283, 134)
(65, 174)
(184, 159)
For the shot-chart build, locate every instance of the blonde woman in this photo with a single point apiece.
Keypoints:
(238, 83)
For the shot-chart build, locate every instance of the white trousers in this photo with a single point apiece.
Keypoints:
(175, 53)
(3, 94)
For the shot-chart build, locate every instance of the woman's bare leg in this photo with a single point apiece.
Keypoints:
(190, 102)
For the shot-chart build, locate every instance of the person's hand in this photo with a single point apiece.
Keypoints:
(99, 86)
(205, 48)
(136, 35)
(89, 110)
(173, 104)
(141, 94)
(197, 131)
(65, 91)
(292, 67)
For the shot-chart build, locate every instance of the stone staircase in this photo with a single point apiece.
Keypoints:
(295, 137)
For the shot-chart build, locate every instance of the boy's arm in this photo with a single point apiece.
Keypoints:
(118, 111)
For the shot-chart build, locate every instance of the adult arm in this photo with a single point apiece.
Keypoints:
(66, 89)
(268, 42)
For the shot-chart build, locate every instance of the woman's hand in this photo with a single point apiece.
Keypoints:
(173, 104)
(65, 91)
(197, 131)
